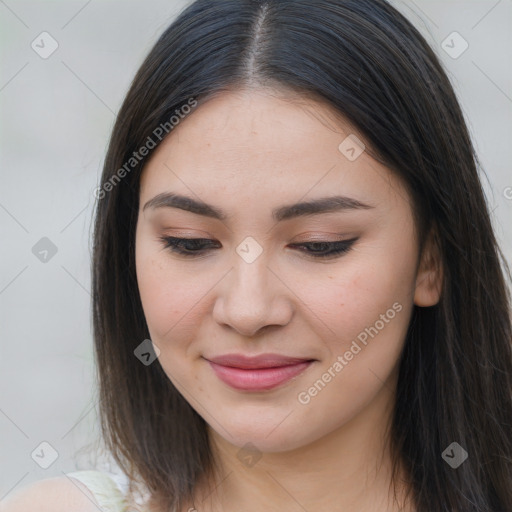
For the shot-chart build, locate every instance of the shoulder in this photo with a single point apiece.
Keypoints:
(57, 494)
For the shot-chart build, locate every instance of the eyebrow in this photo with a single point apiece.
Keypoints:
(306, 208)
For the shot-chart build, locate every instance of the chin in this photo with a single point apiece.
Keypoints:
(272, 436)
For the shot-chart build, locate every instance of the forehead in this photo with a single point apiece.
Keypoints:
(260, 122)
(249, 145)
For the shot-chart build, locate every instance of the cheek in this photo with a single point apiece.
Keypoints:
(368, 312)
(365, 308)
(167, 295)
(357, 297)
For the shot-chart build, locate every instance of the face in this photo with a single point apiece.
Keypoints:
(323, 294)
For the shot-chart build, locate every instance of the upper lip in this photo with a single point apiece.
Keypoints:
(256, 362)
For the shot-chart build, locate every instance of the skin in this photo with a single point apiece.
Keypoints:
(248, 152)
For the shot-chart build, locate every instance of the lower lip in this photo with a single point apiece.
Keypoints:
(258, 379)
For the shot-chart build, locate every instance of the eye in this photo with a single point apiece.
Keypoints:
(327, 249)
(191, 247)
(195, 247)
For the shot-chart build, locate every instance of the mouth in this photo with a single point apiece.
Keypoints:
(258, 373)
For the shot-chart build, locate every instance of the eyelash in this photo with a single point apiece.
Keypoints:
(174, 244)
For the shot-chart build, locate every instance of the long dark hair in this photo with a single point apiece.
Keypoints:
(373, 67)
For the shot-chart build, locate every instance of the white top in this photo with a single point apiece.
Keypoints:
(108, 489)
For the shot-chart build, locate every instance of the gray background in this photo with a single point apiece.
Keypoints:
(56, 117)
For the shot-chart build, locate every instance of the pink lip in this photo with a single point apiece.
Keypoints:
(257, 373)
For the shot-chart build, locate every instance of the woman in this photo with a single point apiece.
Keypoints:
(299, 300)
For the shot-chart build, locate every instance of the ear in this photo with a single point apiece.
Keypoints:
(429, 277)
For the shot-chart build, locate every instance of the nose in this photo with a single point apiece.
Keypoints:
(252, 297)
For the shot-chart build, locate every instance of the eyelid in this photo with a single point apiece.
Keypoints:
(319, 238)
(185, 233)
(324, 237)
(316, 236)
